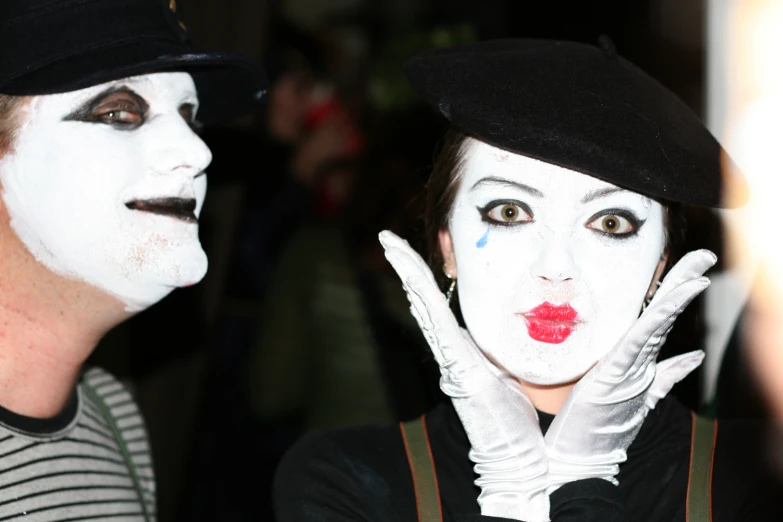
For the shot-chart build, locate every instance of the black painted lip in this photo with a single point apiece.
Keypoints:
(179, 208)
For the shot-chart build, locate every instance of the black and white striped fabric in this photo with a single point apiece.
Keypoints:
(91, 463)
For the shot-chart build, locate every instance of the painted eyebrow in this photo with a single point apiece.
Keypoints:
(85, 110)
(503, 182)
(601, 193)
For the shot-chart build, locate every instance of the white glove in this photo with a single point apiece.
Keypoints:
(507, 447)
(604, 412)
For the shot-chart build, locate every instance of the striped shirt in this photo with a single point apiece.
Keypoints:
(91, 462)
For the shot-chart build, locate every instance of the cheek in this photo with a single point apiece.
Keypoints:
(616, 280)
(85, 171)
(616, 287)
(200, 188)
(493, 273)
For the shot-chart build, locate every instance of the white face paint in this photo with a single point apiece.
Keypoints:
(84, 166)
(526, 234)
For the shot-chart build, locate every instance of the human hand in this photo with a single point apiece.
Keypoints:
(507, 447)
(604, 412)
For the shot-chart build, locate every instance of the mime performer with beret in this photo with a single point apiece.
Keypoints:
(554, 226)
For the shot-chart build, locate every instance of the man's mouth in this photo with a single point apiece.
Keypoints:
(550, 323)
(179, 208)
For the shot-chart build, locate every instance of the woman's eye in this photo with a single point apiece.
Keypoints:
(613, 224)
(508, 213)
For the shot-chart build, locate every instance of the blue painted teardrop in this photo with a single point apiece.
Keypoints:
(481, 243)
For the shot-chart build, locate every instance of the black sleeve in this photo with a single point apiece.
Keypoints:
(585, 501)
(590, 500)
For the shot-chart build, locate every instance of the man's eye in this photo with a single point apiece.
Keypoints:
(121, 116)
(613, 224)
(120, 111)
(188, 113)
(506, 213)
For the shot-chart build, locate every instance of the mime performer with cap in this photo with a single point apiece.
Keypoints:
(102, 179)
(554, 223)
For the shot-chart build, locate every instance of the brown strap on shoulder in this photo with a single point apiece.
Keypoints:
(698, 501)
(422, 465)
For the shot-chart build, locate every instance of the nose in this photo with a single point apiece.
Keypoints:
(555, 261)
(179, 149)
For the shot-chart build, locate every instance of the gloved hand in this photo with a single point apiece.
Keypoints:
(604, 412)
(502, 425)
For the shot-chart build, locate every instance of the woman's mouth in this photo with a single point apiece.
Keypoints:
(179, 208)
(550, 323)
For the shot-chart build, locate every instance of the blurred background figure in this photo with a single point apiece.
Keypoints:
(336, 345)
(746, 106)
(334, 314)
(299, 324)
(297, 170)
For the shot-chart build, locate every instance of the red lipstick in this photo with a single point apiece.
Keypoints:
(550, 323)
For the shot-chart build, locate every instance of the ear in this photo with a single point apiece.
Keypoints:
(447, 250)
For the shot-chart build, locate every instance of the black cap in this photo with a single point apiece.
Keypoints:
(582, 108)
(55, 46)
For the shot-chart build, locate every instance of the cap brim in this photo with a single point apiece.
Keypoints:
(229, 85)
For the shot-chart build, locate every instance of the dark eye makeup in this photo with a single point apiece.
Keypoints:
(615, 223)
(188, 113)
(118, 106)
(617, 218)
(510, 210)
(123, 109)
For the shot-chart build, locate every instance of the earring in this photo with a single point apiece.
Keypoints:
(650, 294)
(453, 285)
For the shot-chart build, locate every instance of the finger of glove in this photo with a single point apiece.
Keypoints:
(691, 266)
(428, 305)
(669, 372)
(462, 370)
(437, 322)
(390, 240)
(643, 342)
(460, 363)
(680, 298)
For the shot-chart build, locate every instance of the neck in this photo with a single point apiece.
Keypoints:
(548, 398)
(49, 325)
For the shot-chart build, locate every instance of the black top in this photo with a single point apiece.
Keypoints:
(363, 474)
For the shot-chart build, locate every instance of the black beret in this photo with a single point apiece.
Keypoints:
(582, 108)
(54, 46)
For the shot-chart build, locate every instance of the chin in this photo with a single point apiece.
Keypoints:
(556, 371)
(551, 380)
(182, 268)
(145, 298)
(157, 278)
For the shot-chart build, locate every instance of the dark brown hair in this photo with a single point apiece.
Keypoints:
(9, 106)
(442, 190)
